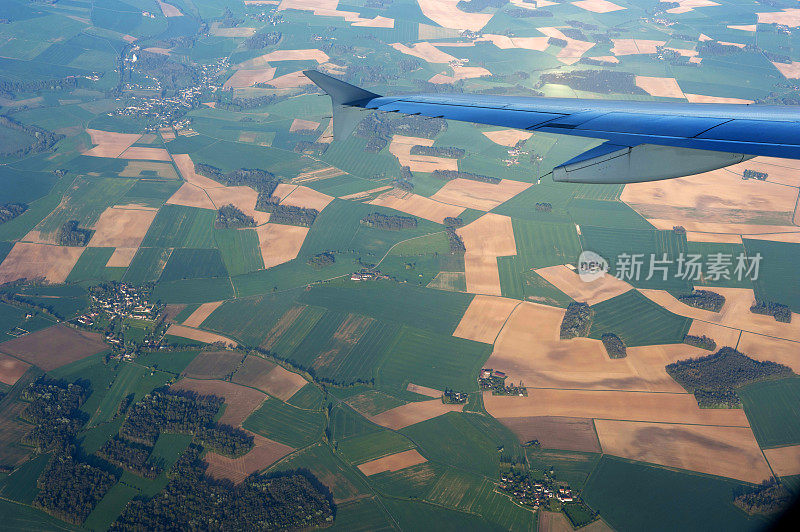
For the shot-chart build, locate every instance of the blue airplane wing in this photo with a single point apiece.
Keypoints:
(643, 141)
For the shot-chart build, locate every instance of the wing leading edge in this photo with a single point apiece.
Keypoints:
(644, 141)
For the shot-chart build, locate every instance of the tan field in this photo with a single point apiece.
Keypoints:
(597, 6)
(721, 228)
(247, 77)
(464, 72)
(144, 153)
(287, 55)
(699, 98)
(203, 311)
(786, 17)
(167, 133)
(689, 5)
(169, 10)
(35, 261)
(606, 59)
(366, 194)
(191, 196)
(186, 167)
(242, 197)
(635, 46)
(280, 243)
(477, 194)
(661, 87)
(320, 174)
(424, 390)
(565, 433)
(507, 137)
(291, 80)
(417, 205)
(283, 190)
(553, 522)
(725, 451)
(694, 236)
(377, 22)
(484, 318)
(196, 334)
(785, 461)
(446, 14)
(109, 144)
(279, 382)
(264, 453)
(485, 239)
(505, 42)
(735, 313)
(777, 350)
(723, 336)
(299, 124)
(789, 70)
(240, 401)
(393, 462)
(157, 50)
(54, 347)
(718, 196)
(401, 146)
(790, 238)
(592, 293)
(574, 49)
(135, 169)
(412, 413)
(121, 258)
(611, 404)
(11, 369)
(281, 326)
(442, 79)
(529, 349)
(308, 198)
(123, 228)
(238, 31)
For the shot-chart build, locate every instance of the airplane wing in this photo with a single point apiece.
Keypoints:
(644, 141)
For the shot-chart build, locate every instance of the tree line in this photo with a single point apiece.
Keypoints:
(262, 40)
(259, 180)
(780, 312)
(602, 81)
(43, 140)
(231, 217)
(615, 346)
(69, 234)
(456, 243)
(9, 211)
(449, 175)
(703, 299)
(389, 222)
(438, 151)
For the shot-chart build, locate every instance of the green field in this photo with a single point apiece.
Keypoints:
(345, 422)
(573, 467)
(20, 485)
(342, 480)
(250, 319)
(773, 408)
(778, 263)
(147, 265)
(131, 379)
(172, 361)
(240, 250)
(361, 516)
(545, 244)
(110, 506)
(366, 447)
(186, 263)
(308, 397)
(638, 321)
(432, 310)
(181, 227)
(432, 360)
(21, 517)
(91, 266)
(695, 502)
(285, 423)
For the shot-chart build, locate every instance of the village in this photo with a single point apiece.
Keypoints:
(495, 380)
(547, 492)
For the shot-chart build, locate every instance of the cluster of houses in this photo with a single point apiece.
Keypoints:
(452, 397)
(495, 380)
(533, 494)
(367, 275)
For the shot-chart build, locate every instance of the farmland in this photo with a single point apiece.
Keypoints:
(334, 337)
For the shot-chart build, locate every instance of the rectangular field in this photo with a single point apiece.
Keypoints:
(773, 409)
(638, 321)
(285, 423)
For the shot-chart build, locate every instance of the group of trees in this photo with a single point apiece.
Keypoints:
(390, 222)
(259, 180)
(753, 174)
(131, 456)
(769, 498)
(780, 312)
(9, 211)
(438, 151)
(321, 260)
(69, 489)
(43, 140)
(457, 246)
(262, 40)
(555, 41)
(194, 501)
(476, 6)
(713, 378)
(230, 216)
(308, 147)
(449, 175)
(54, 411)
(544, 207)
(703, 299)
(227, 102)
(603, 81)
(614, 345)
(9, 89)
(384, 126)
(286, 214)
(183, 412)
(69, 234)
(703, 342)
(519, 12)
(171, 74)
(577, 321)
(710, 48)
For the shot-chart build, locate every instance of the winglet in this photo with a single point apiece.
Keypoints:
(341, 93)
(345, 98)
